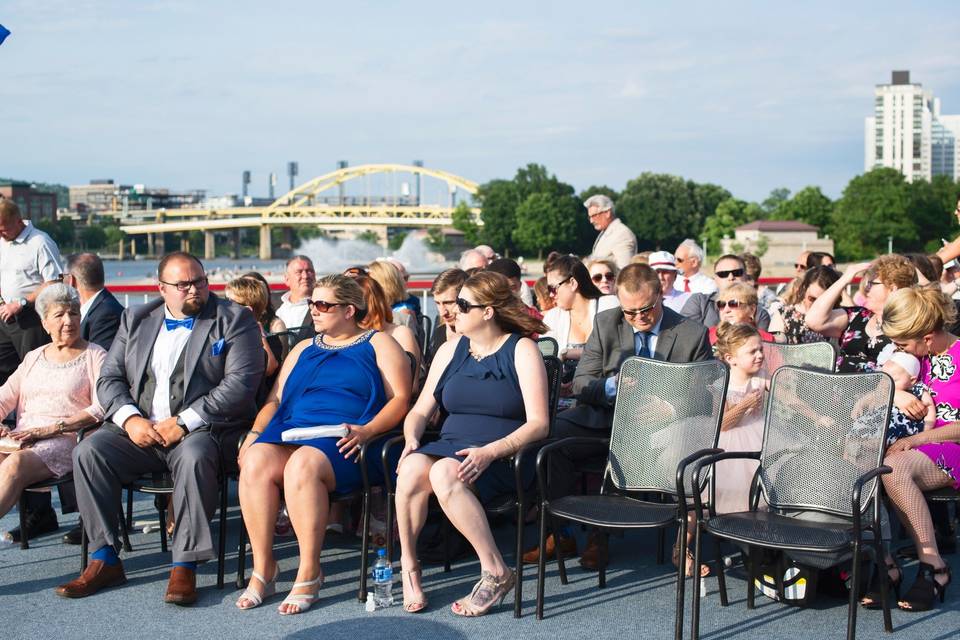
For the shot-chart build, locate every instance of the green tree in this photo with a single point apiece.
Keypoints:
(730, 214)
(499, 200)
(62, 231)
(368, 236)
(544, 222)
(396, 241)
(663, 209)
(92, 237)
(463, 221)
(707, 197)
(807, 205)
(114, 236)
(602, 190)
(873, 207)
(775, 200)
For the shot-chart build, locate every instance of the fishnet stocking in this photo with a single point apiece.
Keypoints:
(914, 473)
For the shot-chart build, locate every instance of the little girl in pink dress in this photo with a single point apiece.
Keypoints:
(739, 345)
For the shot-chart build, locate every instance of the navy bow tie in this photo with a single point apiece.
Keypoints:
(171, 324)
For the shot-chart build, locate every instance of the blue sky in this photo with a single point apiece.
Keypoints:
(188, 94)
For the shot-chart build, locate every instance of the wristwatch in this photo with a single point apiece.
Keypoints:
(22, 302)
(61, 425)
(183, 425)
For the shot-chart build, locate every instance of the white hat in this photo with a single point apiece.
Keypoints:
(908, 362)
(662, 261)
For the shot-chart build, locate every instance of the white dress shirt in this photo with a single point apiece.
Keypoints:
(293, 313)
(85, 307)
(699, 283)
(26, 262)
(166, 352)
(675, 299)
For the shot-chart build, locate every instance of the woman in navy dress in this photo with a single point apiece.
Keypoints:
(492, 387)
(344, 376)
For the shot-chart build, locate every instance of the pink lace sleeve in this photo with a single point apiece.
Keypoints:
(96, 356)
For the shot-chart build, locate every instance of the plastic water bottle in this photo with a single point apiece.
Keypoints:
(382, 580)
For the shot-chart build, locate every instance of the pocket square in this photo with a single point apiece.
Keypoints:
(217, 347)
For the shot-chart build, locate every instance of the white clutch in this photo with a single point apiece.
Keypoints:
(319, 431)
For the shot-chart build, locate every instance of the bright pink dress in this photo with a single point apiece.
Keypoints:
(941, 375)
(43, 392)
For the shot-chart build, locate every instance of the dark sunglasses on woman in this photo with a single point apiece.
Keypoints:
(600, 277)
(323, 306)
(733, 304)
(465, 306)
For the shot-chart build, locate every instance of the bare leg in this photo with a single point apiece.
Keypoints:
(412, 497)
(19, 470)
(260, 482)
(308, 480)
(467, 515)
(913, 473)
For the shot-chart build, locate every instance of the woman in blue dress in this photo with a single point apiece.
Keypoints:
(491, 386)
(345, 376)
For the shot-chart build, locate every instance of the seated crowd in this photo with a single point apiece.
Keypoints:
(189, 378)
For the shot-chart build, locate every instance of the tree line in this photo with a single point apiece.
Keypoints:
(535, 212)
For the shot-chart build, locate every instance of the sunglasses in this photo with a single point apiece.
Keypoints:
(733, 304)
(199, 283)
(552, 288)
(600, 277)
(641, 311)
(465, 306)
(736, 273)
(324, 307)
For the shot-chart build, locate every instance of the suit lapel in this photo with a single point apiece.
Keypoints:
(197, 341)
(667, 336)
(627, 345)
(145, 337)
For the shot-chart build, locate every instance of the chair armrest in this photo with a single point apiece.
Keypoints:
(85, 430)
(516, 460)
(711, 460)
(682, 468)
(544, 454)
(388, 446)
(858, 489)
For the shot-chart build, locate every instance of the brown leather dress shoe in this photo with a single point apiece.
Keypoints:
(567, 545)
(182, 587)
(96, 576)
(596, 555)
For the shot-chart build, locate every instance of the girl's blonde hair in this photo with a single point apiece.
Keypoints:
(250, 292)
(732, 336)
(390, 280)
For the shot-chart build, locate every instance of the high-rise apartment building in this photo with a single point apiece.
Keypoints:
(907, 132)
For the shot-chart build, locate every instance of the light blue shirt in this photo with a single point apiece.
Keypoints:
(610, 385)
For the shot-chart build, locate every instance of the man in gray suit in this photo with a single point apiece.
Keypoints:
(641, 326)
(177, 387)
(702, 307)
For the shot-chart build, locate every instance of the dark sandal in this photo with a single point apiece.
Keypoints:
(921, 595)
(871, 599)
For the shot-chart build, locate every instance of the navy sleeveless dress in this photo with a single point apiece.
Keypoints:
(482, 402)
(331, 385)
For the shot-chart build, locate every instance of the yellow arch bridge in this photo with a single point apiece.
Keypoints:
(318, 202)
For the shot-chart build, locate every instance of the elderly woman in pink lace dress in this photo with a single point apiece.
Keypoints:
(53, 394)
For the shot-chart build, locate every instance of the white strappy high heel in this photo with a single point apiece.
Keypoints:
(257, 598)
(302, 601)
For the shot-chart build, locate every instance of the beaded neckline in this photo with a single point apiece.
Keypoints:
(320, 344)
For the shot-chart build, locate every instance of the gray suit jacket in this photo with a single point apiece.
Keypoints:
(220, 388)
(611, 342)
(702, 308)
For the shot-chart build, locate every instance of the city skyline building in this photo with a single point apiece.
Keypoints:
(908, 132)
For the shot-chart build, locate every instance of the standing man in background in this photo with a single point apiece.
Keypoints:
(99, 310)
(616, 241)
(28, 259)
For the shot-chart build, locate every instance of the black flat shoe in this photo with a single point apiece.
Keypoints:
(921, 595)
(871, 599)
(73, 536)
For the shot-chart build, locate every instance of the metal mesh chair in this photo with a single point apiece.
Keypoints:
(426, 328)
(666, 416)
(500, 505)
(813, 355)
(548, 346)
(819, 473)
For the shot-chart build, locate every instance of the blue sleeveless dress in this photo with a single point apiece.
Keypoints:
(482, 402)
(331, 385)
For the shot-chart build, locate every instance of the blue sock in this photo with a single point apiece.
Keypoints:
(105, 554)
(188, 565)
(565, 532)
